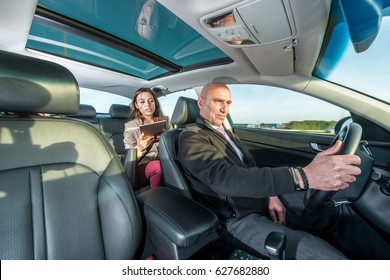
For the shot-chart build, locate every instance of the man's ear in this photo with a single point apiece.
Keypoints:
(200, 100)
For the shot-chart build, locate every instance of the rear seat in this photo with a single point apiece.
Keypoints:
(86, 113)
(114, 125)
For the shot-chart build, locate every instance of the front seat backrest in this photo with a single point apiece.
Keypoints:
(185, 112)
(63, 191)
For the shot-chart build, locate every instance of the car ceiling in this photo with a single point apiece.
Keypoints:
(262, 64)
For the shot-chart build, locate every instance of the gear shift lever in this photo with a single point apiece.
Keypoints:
(275, 244)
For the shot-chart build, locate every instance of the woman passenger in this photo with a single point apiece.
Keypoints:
(145, 109)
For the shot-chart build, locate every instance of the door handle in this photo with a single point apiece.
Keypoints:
(316, 148)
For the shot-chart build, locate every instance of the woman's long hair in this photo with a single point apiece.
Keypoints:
(136, 114)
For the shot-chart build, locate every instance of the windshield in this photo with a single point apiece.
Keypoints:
(366, 71)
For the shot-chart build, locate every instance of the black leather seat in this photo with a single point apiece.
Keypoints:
(86, 113)
(63, 191)
(114, 126)
(185, 112)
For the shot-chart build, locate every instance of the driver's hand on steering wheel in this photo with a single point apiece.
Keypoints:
(330, 172)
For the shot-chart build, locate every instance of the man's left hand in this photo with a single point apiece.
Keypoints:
(276, 210)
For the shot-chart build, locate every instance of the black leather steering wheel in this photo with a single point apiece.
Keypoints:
(351, 135)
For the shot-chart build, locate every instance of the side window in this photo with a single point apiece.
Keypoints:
(265, 107)
(168, 102)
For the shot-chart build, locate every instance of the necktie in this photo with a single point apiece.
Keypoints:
(231, 142)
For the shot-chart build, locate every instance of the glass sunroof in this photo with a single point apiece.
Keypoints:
(136, 37)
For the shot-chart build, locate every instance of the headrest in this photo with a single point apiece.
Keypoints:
(119, 111)
(185, 112)
(31, 85)
(85, 111)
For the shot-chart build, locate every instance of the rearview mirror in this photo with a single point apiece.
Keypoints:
(363, 18)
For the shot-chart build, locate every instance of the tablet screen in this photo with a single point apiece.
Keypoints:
(154, 129)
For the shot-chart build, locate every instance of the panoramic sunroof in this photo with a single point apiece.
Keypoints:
(136, 37)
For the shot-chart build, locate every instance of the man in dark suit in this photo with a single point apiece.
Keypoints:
(248, 199)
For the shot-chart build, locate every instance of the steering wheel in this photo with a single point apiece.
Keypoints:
(351, 135)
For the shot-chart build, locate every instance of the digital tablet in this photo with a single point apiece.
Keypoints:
(153, 129)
